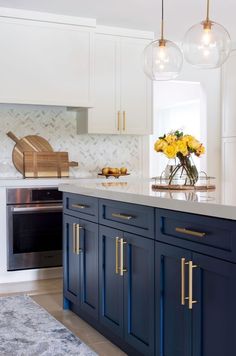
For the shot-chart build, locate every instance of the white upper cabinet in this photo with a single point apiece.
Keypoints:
(228, 97)
(45, 62)
(123, 93)
(135, 88)
(104, 117)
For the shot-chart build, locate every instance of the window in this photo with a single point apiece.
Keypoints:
(177, 106)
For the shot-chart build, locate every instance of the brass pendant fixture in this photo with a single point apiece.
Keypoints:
(207, 44)
(163, 59)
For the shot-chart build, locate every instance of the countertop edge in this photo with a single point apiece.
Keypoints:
(205, 209)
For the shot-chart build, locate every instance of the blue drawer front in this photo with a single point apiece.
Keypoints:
(81, 206)
(211, 236)
(132, 218)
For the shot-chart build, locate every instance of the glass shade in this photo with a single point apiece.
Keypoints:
(207, 45)
(162, 60)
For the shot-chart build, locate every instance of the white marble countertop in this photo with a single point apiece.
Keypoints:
(209, 203)
(35, 182)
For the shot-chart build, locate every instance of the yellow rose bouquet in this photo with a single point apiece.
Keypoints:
(177, 145)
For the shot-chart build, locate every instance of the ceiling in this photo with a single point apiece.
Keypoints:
(139, 14)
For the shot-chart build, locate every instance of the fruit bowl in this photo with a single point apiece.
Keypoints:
(116, 175)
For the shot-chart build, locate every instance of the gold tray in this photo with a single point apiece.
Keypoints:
(116, 175)
(202, 187)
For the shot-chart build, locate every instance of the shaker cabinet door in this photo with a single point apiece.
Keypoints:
(71, 260)
(173, 320)
(103, 118)
(89, 267)
(136, 89)
(139, 293)
(110, 281)
(45, 63)
(214, 314)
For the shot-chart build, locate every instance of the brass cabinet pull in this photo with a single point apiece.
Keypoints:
(182, 281)
(190, 284)
(118, 121)
(117, 255)
(190, 232)
(122, 269)
(73, 238)
(122, 216)
(77, 244)
(124, 120)
(79, 206)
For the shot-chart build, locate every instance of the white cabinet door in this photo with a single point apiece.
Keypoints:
(103, 118)
(45, 63)
(228, 96)
(136, 89)
(229, 170)
(123, 93)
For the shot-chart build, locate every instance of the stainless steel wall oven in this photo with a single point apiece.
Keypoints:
(34, 228)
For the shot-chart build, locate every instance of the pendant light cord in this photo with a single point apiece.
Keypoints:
(208, 10)
(162, 19)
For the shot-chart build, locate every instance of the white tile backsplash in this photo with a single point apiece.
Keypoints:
(58, 126)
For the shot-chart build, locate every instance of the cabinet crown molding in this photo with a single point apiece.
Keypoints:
(47, 17)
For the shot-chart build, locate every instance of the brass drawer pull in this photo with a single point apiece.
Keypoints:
(73, 238)
(117, 255)
(190, 232)
(122, 269)
(124, 120)
(190, 285)
(79, 206)
(122, 216)
(118, 121)
(182, 281)
(77, 244)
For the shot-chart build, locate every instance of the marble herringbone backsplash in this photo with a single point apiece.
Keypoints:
(58, 126)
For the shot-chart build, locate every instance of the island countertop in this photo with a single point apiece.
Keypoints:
(140, 191)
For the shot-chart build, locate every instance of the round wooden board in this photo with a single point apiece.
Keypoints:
(32, 143)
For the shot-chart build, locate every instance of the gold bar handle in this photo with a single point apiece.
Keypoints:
(118, 121)
(117, 255)
(124, 120)
(190, 232)
(122, 269)
(77, 245)
(73, 238)
(122, 216)
(190, 285)
(79, 206)
(182, 281)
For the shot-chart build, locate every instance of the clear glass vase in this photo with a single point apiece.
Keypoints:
(185, 172)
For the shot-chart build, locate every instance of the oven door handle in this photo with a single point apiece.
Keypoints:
(45, 208)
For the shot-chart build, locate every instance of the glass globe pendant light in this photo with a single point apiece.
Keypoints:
(162, 58)
(207, 44)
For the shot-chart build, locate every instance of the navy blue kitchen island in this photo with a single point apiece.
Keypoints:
(154, 281)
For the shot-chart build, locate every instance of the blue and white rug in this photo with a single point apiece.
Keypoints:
(26, 329)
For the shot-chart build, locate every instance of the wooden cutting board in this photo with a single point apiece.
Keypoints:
(31, 143)
(46, 164)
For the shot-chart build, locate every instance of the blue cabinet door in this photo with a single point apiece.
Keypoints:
(80, 262)
(110, 281)
(139, 293)
(71, 260)
(89, 267)
(173, 320)
(214, 314)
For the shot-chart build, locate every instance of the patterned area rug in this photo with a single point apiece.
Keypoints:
(26, 329)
